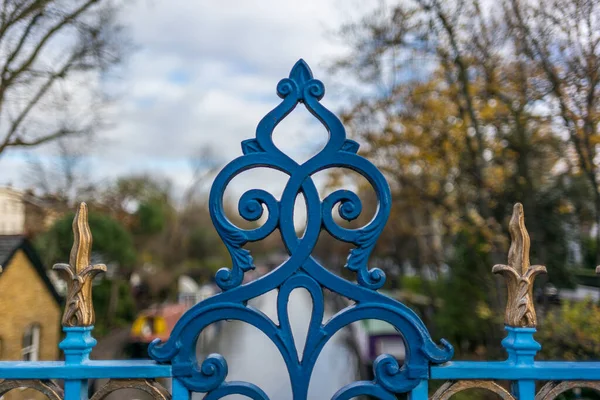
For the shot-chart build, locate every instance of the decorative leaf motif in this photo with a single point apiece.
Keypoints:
(359, 256)
(251, 146)
(301, 73)
(519, 274)
(350, 146)
(241, 259)
(233, 237)
(79, 310)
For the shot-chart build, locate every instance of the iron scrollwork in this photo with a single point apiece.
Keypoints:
(552, 390)
(301, 269)
(46, 387)
(449, 389)
(153, 388)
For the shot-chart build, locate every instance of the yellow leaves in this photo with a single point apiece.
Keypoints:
(434, 188)
(429, 149)
(565, 208)
(475, 218)
(483, 311)
(496, 175)
(490, 110)
(594, 140)
(571, 332)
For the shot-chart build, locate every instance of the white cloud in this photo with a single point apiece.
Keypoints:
(205, 74)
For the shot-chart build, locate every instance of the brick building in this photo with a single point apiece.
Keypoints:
(23, 213)
(30, 308)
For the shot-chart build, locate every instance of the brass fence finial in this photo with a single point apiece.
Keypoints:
(79, 310)
(519, 274)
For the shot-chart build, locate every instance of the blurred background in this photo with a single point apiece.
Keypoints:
(467, 106)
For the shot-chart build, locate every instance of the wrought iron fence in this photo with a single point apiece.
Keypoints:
(176, 358)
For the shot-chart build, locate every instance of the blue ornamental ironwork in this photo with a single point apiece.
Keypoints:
(301, 269)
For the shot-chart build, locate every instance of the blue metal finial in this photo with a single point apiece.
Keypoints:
(301, 72)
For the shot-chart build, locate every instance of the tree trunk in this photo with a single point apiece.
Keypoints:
(597, 228)
(113, 302)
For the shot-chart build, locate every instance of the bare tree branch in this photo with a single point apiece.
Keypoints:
(10, 20)
(16, 123)
(20, 44)
(49, 34)
(33, 62)
(59, 133)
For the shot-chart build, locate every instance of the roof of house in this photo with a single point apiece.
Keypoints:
(10, 191)
(10, 244)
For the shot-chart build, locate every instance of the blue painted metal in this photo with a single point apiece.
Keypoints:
(77, 346)
(179, 391)
(176, 358)
(300, 270)
(539, 370)
(92, 369)
(520, 345)
(521, 348)
(420, 392)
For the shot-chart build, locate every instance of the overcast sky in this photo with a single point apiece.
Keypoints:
(204, 73)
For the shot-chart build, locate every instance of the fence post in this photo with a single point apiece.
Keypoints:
(77, 346)
(520, 319)
(179, 391)
(421, 392)
(522, 348)
(78, 317)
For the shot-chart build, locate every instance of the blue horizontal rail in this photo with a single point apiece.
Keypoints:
(504, 370)
(88, 370)
(540, 370)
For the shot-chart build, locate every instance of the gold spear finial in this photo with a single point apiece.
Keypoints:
(519, 274)
(79, 273)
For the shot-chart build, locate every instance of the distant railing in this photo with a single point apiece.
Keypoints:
(177, 357)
